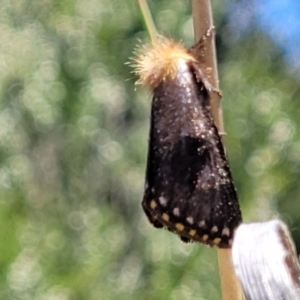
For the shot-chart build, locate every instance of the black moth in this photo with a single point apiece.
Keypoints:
(189, 187)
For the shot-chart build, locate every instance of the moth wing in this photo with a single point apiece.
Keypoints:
(189, 188)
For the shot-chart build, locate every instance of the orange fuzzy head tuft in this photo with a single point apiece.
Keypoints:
(159, 61)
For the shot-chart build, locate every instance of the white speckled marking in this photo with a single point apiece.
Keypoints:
(201, 223)
(190, 220)
(176, 212)
(162, 200)
(214, 229)
(226, 231)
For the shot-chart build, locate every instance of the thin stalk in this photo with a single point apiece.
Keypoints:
(148, 20)
(202, 18)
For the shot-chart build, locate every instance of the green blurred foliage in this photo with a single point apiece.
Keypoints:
(73, 143)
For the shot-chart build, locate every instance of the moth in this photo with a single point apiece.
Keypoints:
(189, 187)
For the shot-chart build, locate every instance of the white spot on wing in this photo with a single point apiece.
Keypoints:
(176, 211)
(190, 220)
(214, 229)
(201, 223)
(162, 200)
(226, 231)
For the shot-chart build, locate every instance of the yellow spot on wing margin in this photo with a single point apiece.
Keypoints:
(205, 237)
(192, 232)
(153, 204)
(179, 226)
(165, 217)
(217, 241)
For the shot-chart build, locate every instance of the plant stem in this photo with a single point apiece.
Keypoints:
(148, 20)
(202, 17)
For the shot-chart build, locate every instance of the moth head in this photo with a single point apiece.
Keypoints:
(158, 62)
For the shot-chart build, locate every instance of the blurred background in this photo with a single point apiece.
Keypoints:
(73, 144)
